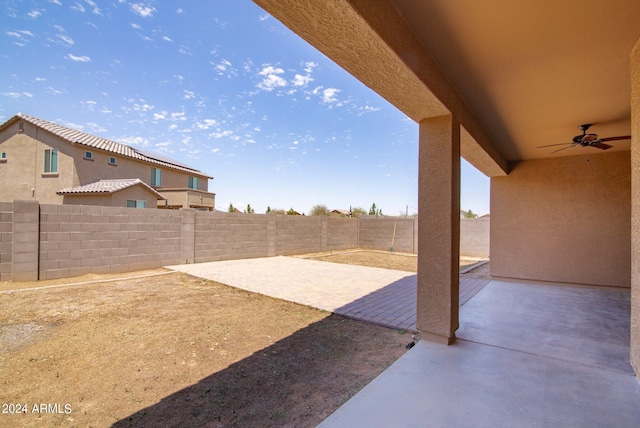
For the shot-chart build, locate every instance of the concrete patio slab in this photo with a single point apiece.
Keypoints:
(528, 355)
(381, 296)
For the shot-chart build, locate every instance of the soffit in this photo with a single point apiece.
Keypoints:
(532, 71)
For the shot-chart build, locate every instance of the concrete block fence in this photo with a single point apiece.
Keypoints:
(58, 241)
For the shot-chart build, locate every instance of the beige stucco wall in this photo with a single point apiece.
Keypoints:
(22, 174)
(564, 219)
(89, 171)
(118, 199)
(635, 209)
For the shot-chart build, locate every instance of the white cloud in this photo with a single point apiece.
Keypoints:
(40, 79)
(90, 104)
(65, 40)
(263, 17)
(21, 35)
(16, 95)
(136, 26)
(178, 116)
(220, 134)
(188, 95)
(55, 2)
(160, 116)
(106, 111)
(184, 50)
(166, 39)
(329, 95)
(34, 13)
(135, 141)
(84, 58)
(54, 91)
(206, 124)
(222, 67)
(309, 66)
(143, 10)
(78, 7)
(299, 80)
(94, 127)
(180, 11)
(271, 80)
(96, 9)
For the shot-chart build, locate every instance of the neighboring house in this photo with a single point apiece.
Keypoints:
(44, 161)
(342, 212)
(125, 192)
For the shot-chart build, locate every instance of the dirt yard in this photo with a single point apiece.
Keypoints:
(383, 259)
(167, 349)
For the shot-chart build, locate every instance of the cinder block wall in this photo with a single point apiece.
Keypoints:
(474, 237)
(6, 240)
(224, 236)
(58, 241)
(341, 234)
(377, 233)
(76, 240)
(298, 234)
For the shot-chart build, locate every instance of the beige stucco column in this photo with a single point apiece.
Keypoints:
(438, 229)
(635, 209)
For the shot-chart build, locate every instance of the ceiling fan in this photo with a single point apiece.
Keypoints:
(587, 140)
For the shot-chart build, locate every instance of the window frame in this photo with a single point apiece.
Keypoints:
(156, 177)
(137, 203)
(51, 161)
(88, 155)
(113, 161)
(192, 183)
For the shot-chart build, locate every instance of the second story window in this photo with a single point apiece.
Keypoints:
(193, 183)
(3, 156)
(88, 155)
(156, 177)
(51, 161)
(112, 161)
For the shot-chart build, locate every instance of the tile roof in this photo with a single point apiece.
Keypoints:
(78, 137)
(107, 187)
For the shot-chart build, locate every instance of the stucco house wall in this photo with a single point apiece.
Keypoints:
(117, 199)
(22, 175)
(564, 220)
(635, 209)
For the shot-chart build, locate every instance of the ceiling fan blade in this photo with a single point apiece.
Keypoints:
(623, 137)
(564, 148)
(601, 146)
(551, 145)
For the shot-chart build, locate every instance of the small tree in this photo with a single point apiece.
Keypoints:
(268, 210)
(292, 211)
(231, 209)
(374, 210)
(319, 210)
(470, 214)
(249, 210)
(357, 211)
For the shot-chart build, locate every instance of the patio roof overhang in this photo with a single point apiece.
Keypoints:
(517, 75)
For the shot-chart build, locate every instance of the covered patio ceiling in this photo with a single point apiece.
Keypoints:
(517, 74)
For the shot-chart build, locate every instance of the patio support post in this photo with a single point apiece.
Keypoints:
(438, 229)
(635, 209)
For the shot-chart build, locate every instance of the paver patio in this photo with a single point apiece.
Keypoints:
(381, 296)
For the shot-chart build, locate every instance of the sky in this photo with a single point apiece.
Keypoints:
(223, 87)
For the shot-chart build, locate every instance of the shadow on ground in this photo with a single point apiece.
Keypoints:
(298, 381)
